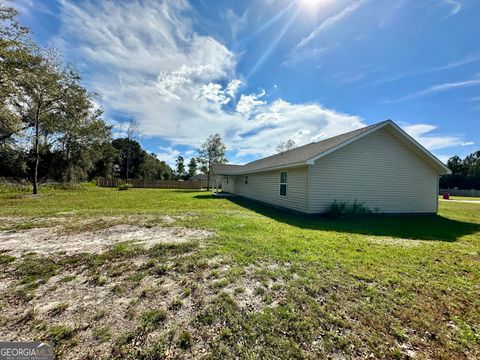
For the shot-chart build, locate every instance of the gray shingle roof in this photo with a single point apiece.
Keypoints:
(300, 154)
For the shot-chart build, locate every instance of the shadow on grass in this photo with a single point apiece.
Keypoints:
(417, 227)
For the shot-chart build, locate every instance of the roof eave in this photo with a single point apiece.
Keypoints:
(272, 168)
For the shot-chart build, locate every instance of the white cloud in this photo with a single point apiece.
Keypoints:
(455, 6)
(29, 7)
(145, 58)
(422, 133)
(169, 155)
(308, 53)
(233, 87)
(330, 21)
(281, 120)
(248, 103)
(469, 58)
(438, 88)
(214, 93)
(467, 143)
(443, 158)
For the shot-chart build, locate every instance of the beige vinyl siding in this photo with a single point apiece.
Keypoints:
(377, 169)
(230, 185)
(265, 186)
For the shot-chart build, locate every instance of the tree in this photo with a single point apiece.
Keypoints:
(16, 58)
(180, 167)
(153, 168)
(472, 163)
(465, 173)
(285, 145)
(192, 168)
(212, 151)
(456, 165)
(82, 130)
(131, 156)
(38, 103)
(132, 132)
(106, 156)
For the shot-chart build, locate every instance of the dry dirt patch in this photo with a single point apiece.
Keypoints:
(47, 240)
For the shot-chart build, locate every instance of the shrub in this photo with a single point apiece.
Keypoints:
(346, 209)
(125, 187)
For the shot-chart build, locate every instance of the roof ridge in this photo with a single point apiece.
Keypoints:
(317, 142)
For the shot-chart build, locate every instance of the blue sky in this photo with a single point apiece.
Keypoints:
(260, 72)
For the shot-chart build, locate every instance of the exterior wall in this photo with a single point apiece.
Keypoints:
(228, 184)
(377, 169)
(265, 186)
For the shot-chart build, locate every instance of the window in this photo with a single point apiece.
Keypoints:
(227, 179)
(283, 183)
(246, 180)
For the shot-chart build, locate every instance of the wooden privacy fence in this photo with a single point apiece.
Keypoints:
(457, 192)
(157, 184)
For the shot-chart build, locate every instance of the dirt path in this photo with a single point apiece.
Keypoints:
(47, 240)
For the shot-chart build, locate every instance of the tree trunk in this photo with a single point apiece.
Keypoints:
(37, 157)
(208, 180)
(209, 170)
(128, 162)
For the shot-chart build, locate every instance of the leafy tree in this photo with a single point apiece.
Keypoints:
(456, 165)
(105, 158)
(192, 168)
(131, 156)
(13, 161)
(39, 102)
(285, 145)
(472, 164)
(153, 168)
(16, 58)
(212, 151)
(180, 167)
(82, 131)
(465, 173)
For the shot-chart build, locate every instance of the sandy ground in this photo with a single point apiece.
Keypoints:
(47, 240)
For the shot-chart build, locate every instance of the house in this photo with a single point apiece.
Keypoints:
(380, 165)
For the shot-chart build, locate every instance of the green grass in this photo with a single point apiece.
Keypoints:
(353, 287)
(452, 197)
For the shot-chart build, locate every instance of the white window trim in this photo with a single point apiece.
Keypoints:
(285, 183)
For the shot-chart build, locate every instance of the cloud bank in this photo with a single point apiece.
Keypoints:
(145, 58)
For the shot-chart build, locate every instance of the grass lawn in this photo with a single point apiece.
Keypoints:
(266, 284)
(469, 198)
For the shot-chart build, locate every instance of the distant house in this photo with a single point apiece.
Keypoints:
(379, 165)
